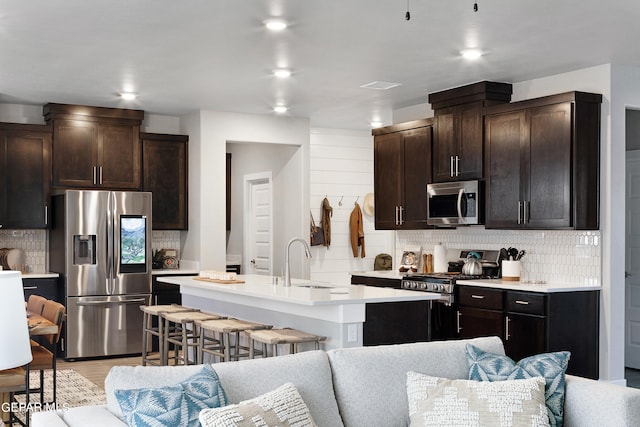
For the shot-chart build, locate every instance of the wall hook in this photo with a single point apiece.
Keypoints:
(340, 202)
(356, 202)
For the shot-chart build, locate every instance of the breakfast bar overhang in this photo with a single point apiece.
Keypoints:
(336, 312)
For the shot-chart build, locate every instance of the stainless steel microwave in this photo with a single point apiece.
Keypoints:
(450, 204)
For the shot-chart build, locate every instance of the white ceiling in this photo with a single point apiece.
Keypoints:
(182, 56)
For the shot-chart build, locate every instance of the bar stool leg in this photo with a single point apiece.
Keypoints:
(145, 323)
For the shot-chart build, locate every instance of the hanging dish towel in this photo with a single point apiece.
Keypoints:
(356, 231)
(327, 213)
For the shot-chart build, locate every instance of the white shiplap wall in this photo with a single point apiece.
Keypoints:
(342, 168)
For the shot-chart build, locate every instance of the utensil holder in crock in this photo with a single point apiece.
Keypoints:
(511, 271)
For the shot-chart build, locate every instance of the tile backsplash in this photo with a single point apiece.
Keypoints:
(551, 256)
(35, 245)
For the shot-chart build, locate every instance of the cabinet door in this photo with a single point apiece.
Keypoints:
(548, 190)
(476, 322)
(524, 335)
(417, 174)
(505, 136)
(25, 157)
(469, 162)
(165, 175)
(75, 153)
(444, 145)
(458, 146)
(119, 157)
(387, 179)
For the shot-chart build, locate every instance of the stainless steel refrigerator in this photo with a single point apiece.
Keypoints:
(100, 243)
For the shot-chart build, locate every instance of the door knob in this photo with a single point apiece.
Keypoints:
(253, 261)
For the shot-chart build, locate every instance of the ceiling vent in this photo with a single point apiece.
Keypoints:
(381, 85)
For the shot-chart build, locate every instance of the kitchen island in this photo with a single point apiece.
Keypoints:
(337, 312)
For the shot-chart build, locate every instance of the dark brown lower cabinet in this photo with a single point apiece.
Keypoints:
(530, 323)
(50, 288)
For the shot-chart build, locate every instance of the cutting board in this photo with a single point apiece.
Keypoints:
(225, 282)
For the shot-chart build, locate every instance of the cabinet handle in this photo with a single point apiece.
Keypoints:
(477, 296)
(100, 175)
(527, 212)
(506, 328)
(396, 219)
(519, 213)
(457, 165)
(94, 179)
(451, 167)
(458, 328)
(46, 215)
(401, 216)
(28, 288)
(522, 302)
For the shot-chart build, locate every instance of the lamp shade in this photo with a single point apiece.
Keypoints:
(15, 347)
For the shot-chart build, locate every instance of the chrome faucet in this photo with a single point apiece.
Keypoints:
(287, 270)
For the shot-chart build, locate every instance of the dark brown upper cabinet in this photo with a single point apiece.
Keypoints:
(402, 169)
(25, 166)
(458, 132)
(543, 163)
(95, 147)
(165, 174)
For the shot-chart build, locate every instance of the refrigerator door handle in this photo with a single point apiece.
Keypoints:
(128, 301)
(111, 275)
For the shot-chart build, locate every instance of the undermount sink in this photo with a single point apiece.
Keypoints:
(314, 286)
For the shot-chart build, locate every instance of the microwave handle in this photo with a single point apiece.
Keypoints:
(460, 194)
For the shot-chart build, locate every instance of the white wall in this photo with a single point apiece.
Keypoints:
(342, 168)
(209, 132)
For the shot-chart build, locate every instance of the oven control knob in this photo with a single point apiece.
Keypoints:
(423, 285)
(436, 288)
(414, 285)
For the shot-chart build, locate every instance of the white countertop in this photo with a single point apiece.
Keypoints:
(257, 286)
(382, 274)
(40, 275)
(174, 271)
(529, 287)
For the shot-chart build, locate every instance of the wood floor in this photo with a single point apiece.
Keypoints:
(96, 370)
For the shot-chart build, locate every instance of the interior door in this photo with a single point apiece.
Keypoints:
(258, 225)
(632, 266)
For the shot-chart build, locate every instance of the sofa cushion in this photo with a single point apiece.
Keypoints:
(309, 371)
(174, 405)
(133, 377)
(370, 382)
(487, 366)
(443, 402)
(282, 407)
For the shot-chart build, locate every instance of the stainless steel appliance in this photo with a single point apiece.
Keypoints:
(443, 319)
(100, 243)
(455, 203)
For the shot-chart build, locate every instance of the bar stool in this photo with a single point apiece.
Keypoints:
(273, 337)
(149, 312)
(221, 346)
(185, 333)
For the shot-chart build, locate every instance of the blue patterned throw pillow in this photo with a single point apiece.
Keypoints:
(171, 406)
(484, 366)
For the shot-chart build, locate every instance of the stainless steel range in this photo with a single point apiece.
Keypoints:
(442, 318)
(444, 283)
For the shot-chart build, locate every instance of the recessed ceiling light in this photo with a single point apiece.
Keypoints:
(282, 73)
(275, 24)
(280, 109)
(128, 96)
(471, 53)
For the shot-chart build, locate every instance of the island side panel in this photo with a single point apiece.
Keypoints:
(344, 331)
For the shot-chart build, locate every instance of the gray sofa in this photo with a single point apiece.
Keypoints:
(354, 387)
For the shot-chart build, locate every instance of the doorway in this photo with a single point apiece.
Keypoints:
(632, 248)
(258, 223)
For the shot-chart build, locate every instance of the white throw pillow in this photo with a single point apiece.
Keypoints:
(443, 402)
(282, 407)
